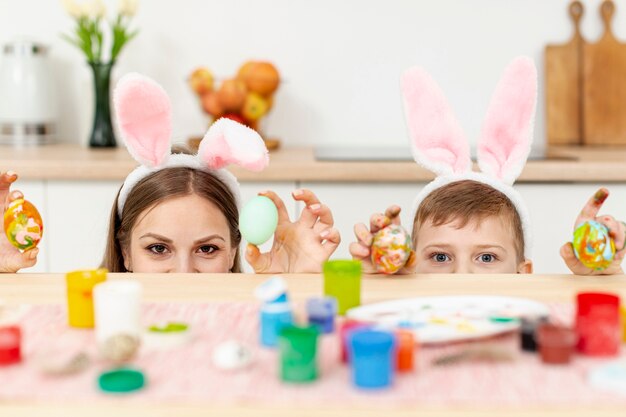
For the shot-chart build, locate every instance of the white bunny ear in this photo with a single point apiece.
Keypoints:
(437, 141)
(229, 142)
(507, 131)
(144, 112)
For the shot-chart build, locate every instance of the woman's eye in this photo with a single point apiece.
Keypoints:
(157, 249)
(440, 257)
(487, 258)
(208, 249)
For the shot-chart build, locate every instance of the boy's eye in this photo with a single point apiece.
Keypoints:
(440, 257)
(208, 249)
(157, 249)
(487, 258)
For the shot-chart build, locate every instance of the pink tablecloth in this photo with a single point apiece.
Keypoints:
(187, 374)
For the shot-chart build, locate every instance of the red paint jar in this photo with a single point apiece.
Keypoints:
(345, 327)
(10, 341)
(556, 343)
(598, 324)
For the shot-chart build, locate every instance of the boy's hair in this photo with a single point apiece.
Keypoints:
(158, 187)
(466, 201)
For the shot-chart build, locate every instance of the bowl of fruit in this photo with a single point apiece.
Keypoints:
(245, 98)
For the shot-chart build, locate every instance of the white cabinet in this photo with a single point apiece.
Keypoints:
(553, 208)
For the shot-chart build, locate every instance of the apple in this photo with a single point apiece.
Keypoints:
(211, 104)
(255, 107)
(201, 81)
(232, 95)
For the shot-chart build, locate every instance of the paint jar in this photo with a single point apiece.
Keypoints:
(598, 324)
(372, 354)
(405, 358)
(117, 307)
(80, 296)
(623, 313)
(321, 312)
(273, 290)
(344, 330)
(342, 280)
(298, 353)
(528, 330)
(556, 343)
(10, 345)
(273, 318)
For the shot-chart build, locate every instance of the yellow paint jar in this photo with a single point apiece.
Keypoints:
(622, 310)
(80, 295)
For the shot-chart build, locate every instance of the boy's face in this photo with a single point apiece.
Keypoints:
(485, 246)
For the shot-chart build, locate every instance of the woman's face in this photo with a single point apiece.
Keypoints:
(183, 234)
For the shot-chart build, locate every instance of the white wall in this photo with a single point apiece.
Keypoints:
(341, 59)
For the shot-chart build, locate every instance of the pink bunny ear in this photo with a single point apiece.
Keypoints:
(507, 131)
(228, 142)
(437, 141)
(144, 117)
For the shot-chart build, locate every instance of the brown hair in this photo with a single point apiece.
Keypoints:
(466, 201)
(157, 187)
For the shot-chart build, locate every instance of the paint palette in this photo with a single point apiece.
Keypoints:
(444, 319)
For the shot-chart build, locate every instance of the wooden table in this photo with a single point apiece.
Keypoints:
(49, 289)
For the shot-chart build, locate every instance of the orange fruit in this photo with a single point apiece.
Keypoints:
(260, 77)
(201, 81)
(255, 107)
(211, 104)
(232, 95)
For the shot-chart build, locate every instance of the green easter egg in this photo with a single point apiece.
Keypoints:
(258, 220)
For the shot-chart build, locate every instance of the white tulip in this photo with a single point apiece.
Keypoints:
(74, 9)
(128, 7)
(96, 9)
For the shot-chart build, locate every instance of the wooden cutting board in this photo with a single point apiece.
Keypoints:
(563, 69)
(604, 86)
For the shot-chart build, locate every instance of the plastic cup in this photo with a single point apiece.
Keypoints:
(372, 354)
(80, 296)
(342, 280)
(117, 309)
(598, 324)
(298, 353)
(556, 343)
(321, 312)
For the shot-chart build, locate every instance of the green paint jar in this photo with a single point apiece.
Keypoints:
(298, 353)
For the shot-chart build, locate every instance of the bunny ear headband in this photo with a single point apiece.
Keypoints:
(439, 144)
(144, 116)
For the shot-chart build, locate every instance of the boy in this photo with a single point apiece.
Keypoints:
(470, 227)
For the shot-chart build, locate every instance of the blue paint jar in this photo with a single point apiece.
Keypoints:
(372, 354)
(273, 318)
(321, 312)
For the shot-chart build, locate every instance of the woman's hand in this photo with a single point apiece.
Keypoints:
(301, 246)
(11, 259)
(362, 249)
(617, 231)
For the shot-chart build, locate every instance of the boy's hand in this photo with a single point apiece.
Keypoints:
(617, 231)
(11, 259)
(361, 249)
(301, 246)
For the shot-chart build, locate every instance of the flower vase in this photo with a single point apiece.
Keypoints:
(102, 134)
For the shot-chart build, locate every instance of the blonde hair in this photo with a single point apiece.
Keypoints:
(158, 187)
(466, 201)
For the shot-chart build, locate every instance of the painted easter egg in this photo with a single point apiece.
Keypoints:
(23, 225)
(258, 220)
(593, 246)
(391, 248)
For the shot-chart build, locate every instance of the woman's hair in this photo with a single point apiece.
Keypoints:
(466, 201)
(158, 187)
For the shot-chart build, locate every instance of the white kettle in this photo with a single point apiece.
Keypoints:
(28, 106)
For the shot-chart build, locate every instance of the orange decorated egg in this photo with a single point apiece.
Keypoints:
(391, 248)
(23, 224)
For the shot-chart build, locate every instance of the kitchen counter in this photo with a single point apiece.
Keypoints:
(74, 162)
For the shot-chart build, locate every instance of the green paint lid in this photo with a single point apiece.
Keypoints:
(121, 380)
